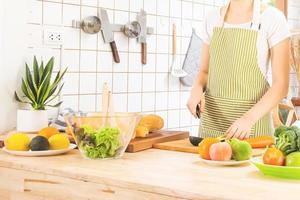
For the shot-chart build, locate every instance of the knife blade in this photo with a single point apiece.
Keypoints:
(142, 19)
(108, 35)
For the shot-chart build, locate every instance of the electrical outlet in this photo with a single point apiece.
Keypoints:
(53, 37)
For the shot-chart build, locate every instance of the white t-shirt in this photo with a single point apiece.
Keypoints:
(274, 29)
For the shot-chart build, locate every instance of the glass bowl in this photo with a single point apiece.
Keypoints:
(99, 136)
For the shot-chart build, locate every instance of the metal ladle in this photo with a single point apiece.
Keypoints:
(91, 24)
(132, 29)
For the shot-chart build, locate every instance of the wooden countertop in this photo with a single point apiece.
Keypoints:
(152, 173)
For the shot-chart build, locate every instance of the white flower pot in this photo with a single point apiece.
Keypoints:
(31, 120)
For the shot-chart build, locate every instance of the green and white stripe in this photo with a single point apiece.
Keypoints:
(235, 82)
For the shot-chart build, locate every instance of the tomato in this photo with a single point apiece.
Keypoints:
(204, 145)
(273, 156)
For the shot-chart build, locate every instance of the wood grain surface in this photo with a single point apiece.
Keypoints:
(150, 174)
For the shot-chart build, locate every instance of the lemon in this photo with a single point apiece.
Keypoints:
(59, 141)
(17, 142)
(48, 132)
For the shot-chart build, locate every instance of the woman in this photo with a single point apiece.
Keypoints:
(239, 41)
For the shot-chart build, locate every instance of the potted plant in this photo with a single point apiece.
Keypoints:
(39, 90)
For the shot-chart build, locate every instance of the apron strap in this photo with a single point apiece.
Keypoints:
(223, 14)
(255, 22)
(256, 14)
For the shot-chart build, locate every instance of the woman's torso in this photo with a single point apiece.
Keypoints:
(273, 30)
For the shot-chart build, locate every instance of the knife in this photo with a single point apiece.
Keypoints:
(108, 35)
(142, 19)
(198, 109)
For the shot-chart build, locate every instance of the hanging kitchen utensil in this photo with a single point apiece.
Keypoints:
(191, 62)
(108, 35)
(91, 24)
(132, 29)
(142, 19)
(176, 71)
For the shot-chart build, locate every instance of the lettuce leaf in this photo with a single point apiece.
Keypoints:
(106, 142)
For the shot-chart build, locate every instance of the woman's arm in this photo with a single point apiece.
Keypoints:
(196, 95)
(279, 89)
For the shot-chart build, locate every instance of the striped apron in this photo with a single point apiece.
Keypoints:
(235, 81)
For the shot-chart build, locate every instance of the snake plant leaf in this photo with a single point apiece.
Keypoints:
(47, 92)
(36, 72)
(54, 96)
(30, 92)
(54, 85)
(52, 91)
(58, 78)
(56, 105)
(26, 90)
(55, 82)
(17, 98)
(48, 68)
(29, 79)
(43, 87)
(41, 69)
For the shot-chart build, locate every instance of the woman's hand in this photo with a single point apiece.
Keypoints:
(240, 129)
(196, 98)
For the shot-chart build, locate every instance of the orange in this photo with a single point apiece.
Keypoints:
(204, 145)
(48, 132)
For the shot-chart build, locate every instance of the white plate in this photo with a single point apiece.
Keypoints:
(224, 163)
(40, 153)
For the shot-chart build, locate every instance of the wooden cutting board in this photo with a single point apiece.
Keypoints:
(178, 145)
(139, 144)
(185, 146)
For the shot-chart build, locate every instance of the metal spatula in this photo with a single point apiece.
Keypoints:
(176, 70)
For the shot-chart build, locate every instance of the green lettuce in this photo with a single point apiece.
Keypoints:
(102, 143)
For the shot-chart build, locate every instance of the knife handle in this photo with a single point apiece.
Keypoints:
(114, 51)
(144, 53)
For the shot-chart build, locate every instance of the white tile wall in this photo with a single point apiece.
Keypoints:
(136, 88)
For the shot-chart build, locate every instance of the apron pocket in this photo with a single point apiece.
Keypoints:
(220, 113)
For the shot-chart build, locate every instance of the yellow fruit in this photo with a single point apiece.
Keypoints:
(48, 132)
(152, 122)
(141, 131)
(17, 142)
(59, 141)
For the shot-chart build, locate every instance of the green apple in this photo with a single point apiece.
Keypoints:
(293, 159)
